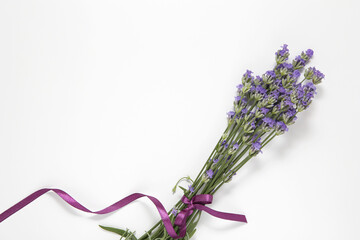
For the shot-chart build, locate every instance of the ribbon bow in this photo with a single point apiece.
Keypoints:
(197, 202)
(192, 204)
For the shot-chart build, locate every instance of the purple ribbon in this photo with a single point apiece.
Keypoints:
(197, 202)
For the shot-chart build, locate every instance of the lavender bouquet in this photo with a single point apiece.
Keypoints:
(264, 107)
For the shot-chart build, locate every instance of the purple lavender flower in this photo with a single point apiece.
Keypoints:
(271, 74)
(282, 55)
(310, 95)
(174, 211)
(244, 100)
(231, 114)
(224, 144)
(244, 110)
(281, 90)
(281, 127)
(310, 90)
(247, 77)
(288, 102)
(264, 110)
(269, 122)
(260, 89)
(275, 94)
(252, 88)
(317, 76)
(287, 65)
(239, 87)
(300, 60)
(296, 74)
(256, 146)
(277, 82)
(191, 188)
(216, 160)
(299, 91)
(291, 112)
(310, 86)
(283, 51)
(210, 173)
(235, 146)
(248, 73)
(309, 53)
(254, 137)
(237, 99)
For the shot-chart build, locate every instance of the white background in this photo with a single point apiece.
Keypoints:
(106, 98)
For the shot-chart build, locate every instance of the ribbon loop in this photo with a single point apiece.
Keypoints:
(194, 203)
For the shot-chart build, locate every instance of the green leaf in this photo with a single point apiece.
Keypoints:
(192, 233)
(123, 233)
(184, 189)
(191, 228)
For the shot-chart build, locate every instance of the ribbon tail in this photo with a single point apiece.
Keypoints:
(71, 201)
(22, 204)
(222, 215)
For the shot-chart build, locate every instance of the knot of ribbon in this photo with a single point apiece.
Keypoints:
(192, 204)
(197, 202)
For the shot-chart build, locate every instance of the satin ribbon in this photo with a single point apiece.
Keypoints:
(197, 202)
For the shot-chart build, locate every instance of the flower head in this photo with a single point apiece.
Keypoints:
(255, 146)
(174, 211)
(264, 110)
(269, 122)
(235, 146)
(291, 112)
(287, 65)
(224, 144)
(239, 87)
(231, 114)
(309, 90)
(260, 89)
(281, 127)
(247, 77)
(296, 74)
(300, 60)
(282, 55)
(271, 74)
(317, 76)
(309, 53)
(283, 51)
(210, 173)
